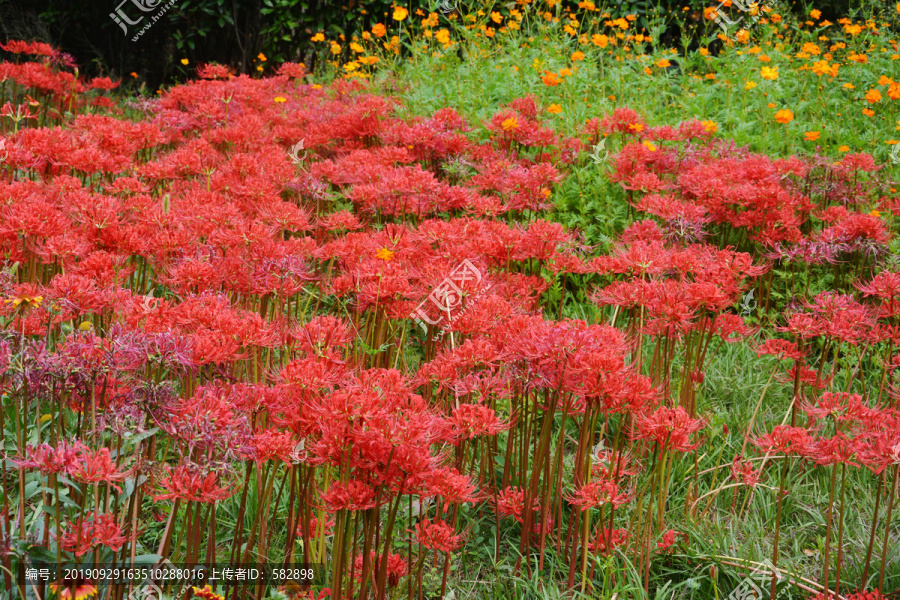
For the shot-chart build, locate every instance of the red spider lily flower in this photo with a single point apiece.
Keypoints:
(786, 440)
(438, 536)
(598, 493)
(781, 349)
(511, 503)
(474, 419)
(841, 406)
(48, 459)
(97, 467)
(670, 428)
(452, 486)
(669, 539)
(742, 471)
(608, 540)
(352, 495)
(835, 450)
(94, 529)
(187, 482)
(397, 567)
(310, 529)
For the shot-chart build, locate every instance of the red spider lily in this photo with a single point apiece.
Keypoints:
(472, 420)
(397, 568)
(511, 503)
(48, 459)
(786, 440)
(742, 471)
(438, 536)
(782, 349)
(187, 482)
(835, 450)
(670, 428)
(608, 540)
(669, 539)
(97, 467)
(92, 530)
(841, 406)
(353, 495)
(598, 493)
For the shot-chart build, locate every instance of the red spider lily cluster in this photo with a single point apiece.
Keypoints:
(200, 324)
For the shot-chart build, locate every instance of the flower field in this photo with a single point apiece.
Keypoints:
(507, 303)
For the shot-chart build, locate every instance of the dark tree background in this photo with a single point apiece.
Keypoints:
(235, 32)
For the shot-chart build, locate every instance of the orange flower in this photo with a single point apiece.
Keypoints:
(709, 126)
(578, 55)
(319, 37)
(378, 30)
(650, 146)
(550, 78)
(844, 149)
(815, 14)
(769, 73)
(510, 123)
(636, 127)
(554, 109)
(873, 96)
(868, 113)
(811, 136)
(784, 116)
(384, 254)
(663, 63)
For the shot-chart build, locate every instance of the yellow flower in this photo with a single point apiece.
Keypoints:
(849, 86)
(496, 17)
(663, 63)
(319, 37)
(769, 73)
(260, 68)
(400, 13)
(280, 99)
(844, 149)
(784, 116)
(261, 57)
(185, 61)
(749, 85)
(811, 136)
(335, 48)
(85, 326)
(555, 109)
(510, 123)
(649, 146)
(379, 30)
(443, 36)
(33, 301)
(384, 254)
(709, 126)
